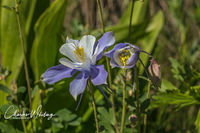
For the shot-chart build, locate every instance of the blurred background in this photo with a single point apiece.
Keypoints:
(168, 29)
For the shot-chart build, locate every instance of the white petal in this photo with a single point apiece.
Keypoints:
(88, 42)
(76, 42)
(67, 50)
(94, 57)
(67, 63)
(116, 57)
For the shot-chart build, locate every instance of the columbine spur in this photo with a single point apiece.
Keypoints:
(81, 57)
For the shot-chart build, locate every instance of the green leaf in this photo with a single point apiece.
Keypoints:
(21, 89)
(197, 122)
(106, 119)
(5, 89)
(174, 98)
(3, 96)
(148, 42)
(47, 40)
(166, 85)
(76, 122)
(144, 105)
(4, 92)
(7, 128)
(68, 117)
(65, 115)
(28, 9)
(9, 109)
(10, 43)
(139, 13)
(9, 8)
(177, 69)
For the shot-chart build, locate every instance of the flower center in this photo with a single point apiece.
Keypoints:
(79, 52)
(124, 56)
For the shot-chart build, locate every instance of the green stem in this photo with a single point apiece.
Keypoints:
(101, 15)
(112, 95)
(145, 115)
(129, 35)
(24, 125)
(124, 103)
(137, 99)
(132, 128)
(94, 106)
(24, 54)
(109, 71)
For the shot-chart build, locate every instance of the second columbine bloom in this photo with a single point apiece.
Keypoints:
(123, 55)
(81, 56)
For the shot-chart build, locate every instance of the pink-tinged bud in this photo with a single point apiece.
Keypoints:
(130, 92)
(155, 73)
(133, 119)
(128, 75)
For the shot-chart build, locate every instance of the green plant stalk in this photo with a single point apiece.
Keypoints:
(112, 96)
(137, 99)
(123, 103)
(129, 39)
(24, 54)
(129, 34)
(94, 106)
(101, 15)
(22, 120)
(145, 115)
(24, 125)
(132, 128)
(25, 62)
(109, 72)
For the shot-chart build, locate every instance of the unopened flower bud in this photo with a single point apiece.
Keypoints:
(155, 73)
(130, 92)
(132, 118)
(128, 75)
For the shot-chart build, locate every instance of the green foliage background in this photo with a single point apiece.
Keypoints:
(168, 29)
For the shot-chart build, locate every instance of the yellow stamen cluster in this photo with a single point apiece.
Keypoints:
(124, 56)
(79, 52)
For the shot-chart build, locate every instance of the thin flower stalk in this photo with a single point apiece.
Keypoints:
(94, 106)
(24, 53)
(109, 71)
(129, 34)
(101, 15)
(17, 4)
(137, 100)
(123, 103)
(145, 115)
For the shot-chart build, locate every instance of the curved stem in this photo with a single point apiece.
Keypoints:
(145, 52)
(109, 71)
(145, 115)
(101, 15)
(112, 96)
(94, 106)
(24, 125)
(124, 104)
(24, 54)
(144, 68)
(132, 128)
(137, 99)
(129, 34)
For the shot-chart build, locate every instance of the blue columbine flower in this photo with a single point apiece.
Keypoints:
(81, 57)
(124, 55)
